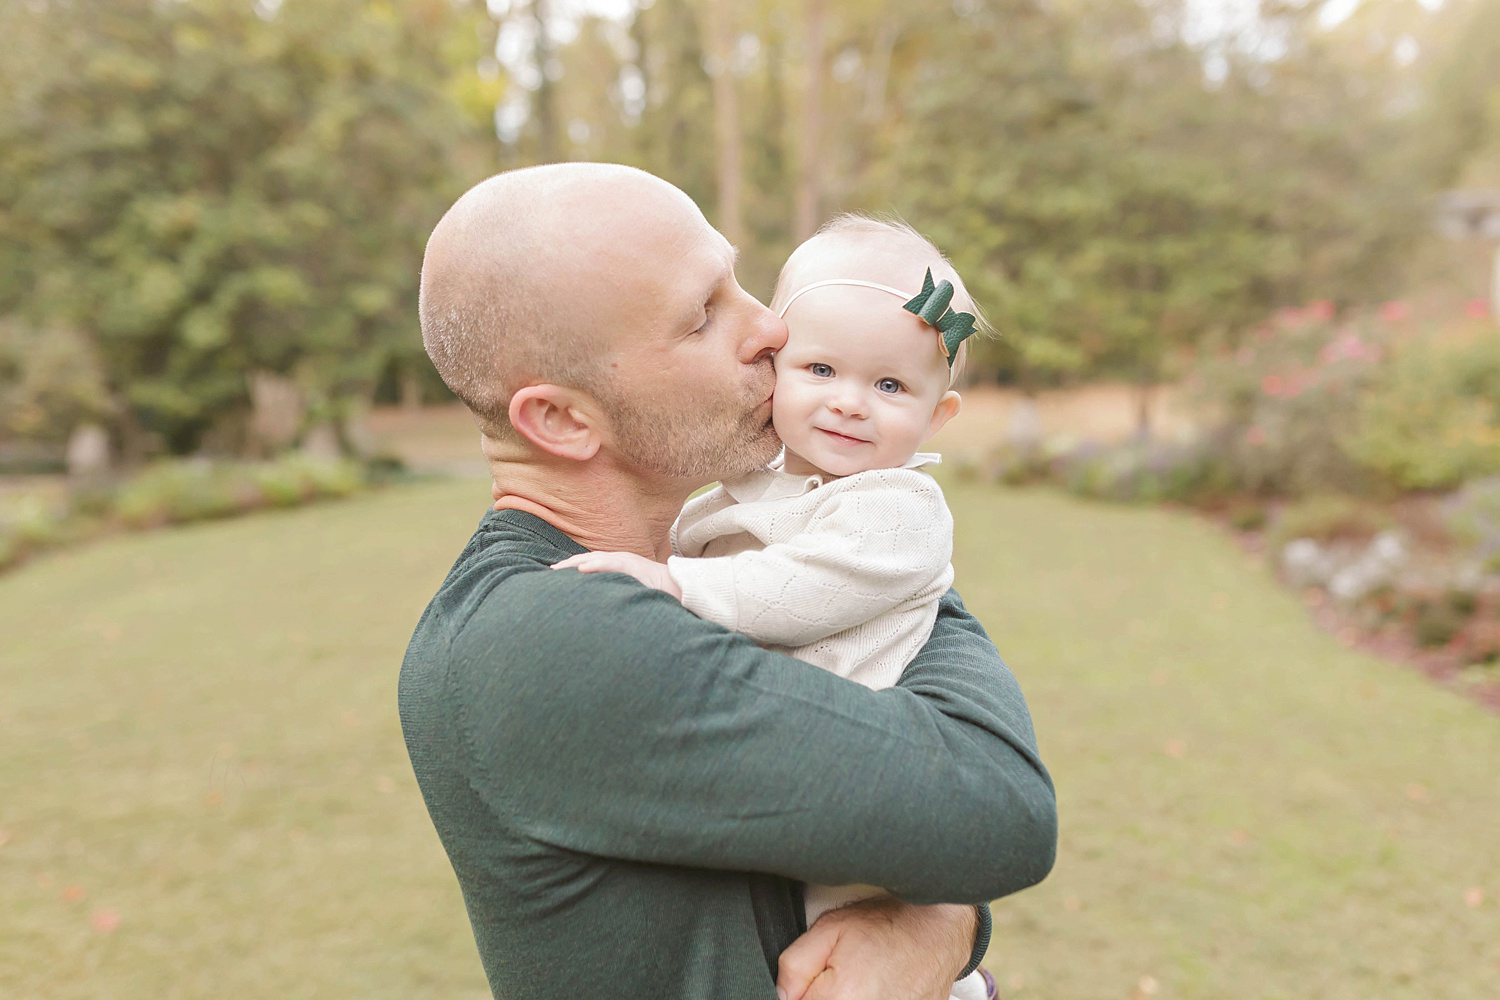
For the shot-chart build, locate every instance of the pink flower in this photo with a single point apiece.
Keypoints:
(1320, 310)
(105, 921)
(1272, 385)
(1477, 309)
(1394, 311)
(1255, 436)
(1290, 318)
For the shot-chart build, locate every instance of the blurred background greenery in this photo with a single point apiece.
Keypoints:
(1236, 251)
(214, 210)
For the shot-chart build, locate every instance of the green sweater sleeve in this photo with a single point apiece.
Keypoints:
(604, 718)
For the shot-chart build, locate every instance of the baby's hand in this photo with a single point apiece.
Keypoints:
(652, 574)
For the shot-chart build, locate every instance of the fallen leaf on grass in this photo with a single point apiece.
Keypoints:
(1147, 987)
(1239, 838)
(74, 893)
(105, 921)
(1416, 792)
(1474, 897)
(1175, 748)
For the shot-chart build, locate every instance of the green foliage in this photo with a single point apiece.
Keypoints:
(182, 492)
(1472, 517)
(1146, 472)
(1283, 403)
(1112, 207)
(172, 492)
(1430, 419)
(199, 190)
(209, 188)
(1437, 621)
(1326, 518)
(50, 381)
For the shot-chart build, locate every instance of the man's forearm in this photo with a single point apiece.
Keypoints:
(739, 759)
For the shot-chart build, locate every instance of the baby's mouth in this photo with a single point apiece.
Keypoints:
(845, 438)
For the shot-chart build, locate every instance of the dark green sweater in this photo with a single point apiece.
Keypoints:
(631, 796)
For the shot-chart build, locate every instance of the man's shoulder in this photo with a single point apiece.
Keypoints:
(509, 549)
(502, 598)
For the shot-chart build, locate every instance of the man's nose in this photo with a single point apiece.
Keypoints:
(766, 336)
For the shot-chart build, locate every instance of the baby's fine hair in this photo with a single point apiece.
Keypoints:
(895, 235)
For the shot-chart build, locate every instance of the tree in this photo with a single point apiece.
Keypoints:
(208, 191)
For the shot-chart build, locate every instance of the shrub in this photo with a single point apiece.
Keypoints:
(1016, 466)
(1437, 623)
(1431, 418)
(1472, 516)
(175, 493)
(1146, 472)
(1282, 401)
(171, 493)
(1484, 642)
(181, 492)
(1328, 518)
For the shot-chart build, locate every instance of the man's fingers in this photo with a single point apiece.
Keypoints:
(803, 961)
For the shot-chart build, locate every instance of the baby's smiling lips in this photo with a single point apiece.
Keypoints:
(843, 438)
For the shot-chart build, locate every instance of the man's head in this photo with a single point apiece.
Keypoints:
(861, 382)
(585, 310)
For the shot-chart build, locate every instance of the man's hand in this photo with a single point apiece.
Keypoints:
(879, 949)
(652, 574)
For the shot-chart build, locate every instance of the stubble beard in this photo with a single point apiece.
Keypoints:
(681, 440)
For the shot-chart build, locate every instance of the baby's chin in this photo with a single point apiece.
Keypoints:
(797, 465)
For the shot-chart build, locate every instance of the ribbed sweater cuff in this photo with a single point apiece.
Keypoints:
(981, 939)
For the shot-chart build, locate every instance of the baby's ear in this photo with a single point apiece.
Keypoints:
(946, 410)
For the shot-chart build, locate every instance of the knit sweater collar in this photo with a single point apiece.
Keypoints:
(773, 483)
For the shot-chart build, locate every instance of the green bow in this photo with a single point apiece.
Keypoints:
(931, 306)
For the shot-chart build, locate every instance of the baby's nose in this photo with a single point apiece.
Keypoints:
(848, 402)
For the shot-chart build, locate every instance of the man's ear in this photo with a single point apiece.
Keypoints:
(558, 420)
(946, 410)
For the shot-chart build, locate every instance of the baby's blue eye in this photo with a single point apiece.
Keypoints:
(820, 370)
(889, 385)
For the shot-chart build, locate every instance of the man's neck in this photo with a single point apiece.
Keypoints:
(600, 508)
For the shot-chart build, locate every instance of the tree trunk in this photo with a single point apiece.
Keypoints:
(411, 391)
(727, 138)
(277, 410)
(878, 75)
(1143, 410)
(1495, 286)
(807, 209)
(545, 104)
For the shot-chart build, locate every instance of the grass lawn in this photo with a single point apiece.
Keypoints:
(205, 792)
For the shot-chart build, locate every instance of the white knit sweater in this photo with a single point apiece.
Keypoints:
(843, 573)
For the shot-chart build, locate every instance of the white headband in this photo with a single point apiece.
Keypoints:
(839, 281)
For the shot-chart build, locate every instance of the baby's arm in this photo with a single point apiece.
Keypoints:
(869, 550)
(652, 574)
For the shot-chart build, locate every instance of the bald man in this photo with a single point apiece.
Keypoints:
(632, 797)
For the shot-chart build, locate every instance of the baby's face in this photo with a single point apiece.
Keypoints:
(858, 384)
